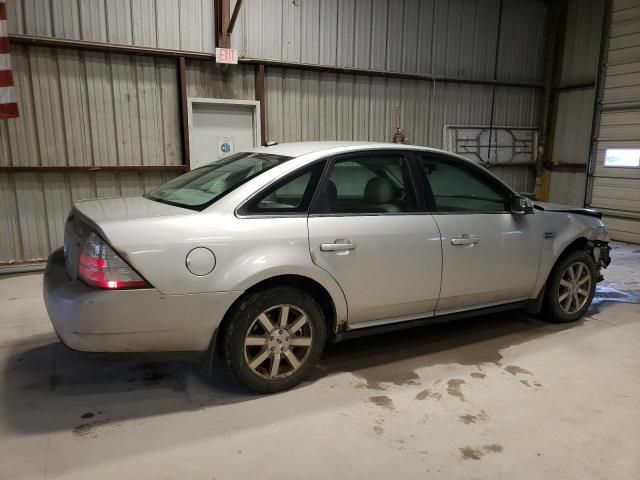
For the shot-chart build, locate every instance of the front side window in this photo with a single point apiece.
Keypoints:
(369, 184)
(460, 188)
(201, 187)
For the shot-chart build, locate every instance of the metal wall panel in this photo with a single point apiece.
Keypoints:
(35, 205)
(582, 41)
(206, 79)
(522, 42)
(520, 178)
(174, 24)
(304, 106)
(617, 190)
(81, 108)
(574, 108)
(92, 109)
(445, 37)
(572, 134)
(567, 187)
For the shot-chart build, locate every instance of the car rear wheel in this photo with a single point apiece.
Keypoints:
(570, 288)
(274, 339)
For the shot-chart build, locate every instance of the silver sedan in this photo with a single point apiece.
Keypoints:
(267, 255)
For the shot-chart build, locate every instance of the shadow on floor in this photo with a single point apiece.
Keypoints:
(51, 388)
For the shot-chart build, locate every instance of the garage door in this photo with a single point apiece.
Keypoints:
(616, 173)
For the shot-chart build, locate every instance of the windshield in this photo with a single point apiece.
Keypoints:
(201, 187)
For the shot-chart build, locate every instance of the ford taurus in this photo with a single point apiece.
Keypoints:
(266, 255)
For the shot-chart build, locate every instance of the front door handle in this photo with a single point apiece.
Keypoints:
(465, 239)
(338, 246)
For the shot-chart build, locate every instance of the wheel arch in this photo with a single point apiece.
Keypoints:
(577, 244)
(314, 288)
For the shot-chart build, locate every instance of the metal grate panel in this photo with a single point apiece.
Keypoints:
(493, 145)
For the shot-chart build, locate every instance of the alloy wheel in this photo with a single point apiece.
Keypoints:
(575, 286)
(278, 341)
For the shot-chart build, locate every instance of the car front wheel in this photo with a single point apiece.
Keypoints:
(570, 287)
(274, 339)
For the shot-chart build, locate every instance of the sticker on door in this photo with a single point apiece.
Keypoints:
(225, 146)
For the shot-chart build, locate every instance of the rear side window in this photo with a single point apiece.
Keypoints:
(459, 188)
(293, 194)
(369, 184)
(201, 187)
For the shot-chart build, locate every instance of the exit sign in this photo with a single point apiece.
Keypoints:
(226, 55)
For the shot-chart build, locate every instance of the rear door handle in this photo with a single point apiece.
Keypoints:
(466, 239)
(338, 246)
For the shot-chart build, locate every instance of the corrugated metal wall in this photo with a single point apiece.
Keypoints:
(85, 108)
(329, 106)
(91, 109)
(79, 108)
(616, 191)
(35, 205)
(173, 24)
(574, 108)
(443, 37)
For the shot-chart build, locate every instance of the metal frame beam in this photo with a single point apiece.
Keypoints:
(222, 11)
(555, 30)
(234, 17)
(52, 42)
(37, 41)
(184, 112)
(261, 96)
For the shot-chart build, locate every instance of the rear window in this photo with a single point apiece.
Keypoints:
(201, 187)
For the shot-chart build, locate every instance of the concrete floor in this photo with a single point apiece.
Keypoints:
(505, 396)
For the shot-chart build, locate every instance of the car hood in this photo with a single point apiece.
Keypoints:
(126, 208)
(557, 207)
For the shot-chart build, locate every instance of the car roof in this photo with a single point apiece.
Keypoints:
(297, 149)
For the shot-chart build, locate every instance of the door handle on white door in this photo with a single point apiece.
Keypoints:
(465, 239)
(338, 246)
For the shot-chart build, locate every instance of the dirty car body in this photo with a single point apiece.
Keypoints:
(378, 236)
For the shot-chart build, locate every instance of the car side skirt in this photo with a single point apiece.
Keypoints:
(419, 322)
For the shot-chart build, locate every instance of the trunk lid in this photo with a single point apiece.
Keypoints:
(88, 215)
(126, 208)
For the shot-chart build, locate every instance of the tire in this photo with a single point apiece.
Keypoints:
(254, 337)
(562, 290)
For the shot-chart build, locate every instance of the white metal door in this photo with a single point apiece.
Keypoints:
(219, 128)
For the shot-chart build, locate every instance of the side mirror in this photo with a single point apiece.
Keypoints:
(521, 205)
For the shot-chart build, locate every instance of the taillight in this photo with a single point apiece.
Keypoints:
(101, 267)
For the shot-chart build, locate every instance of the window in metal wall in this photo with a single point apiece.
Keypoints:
(622, 157)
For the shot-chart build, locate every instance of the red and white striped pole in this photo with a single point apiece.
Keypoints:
(8, 99)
